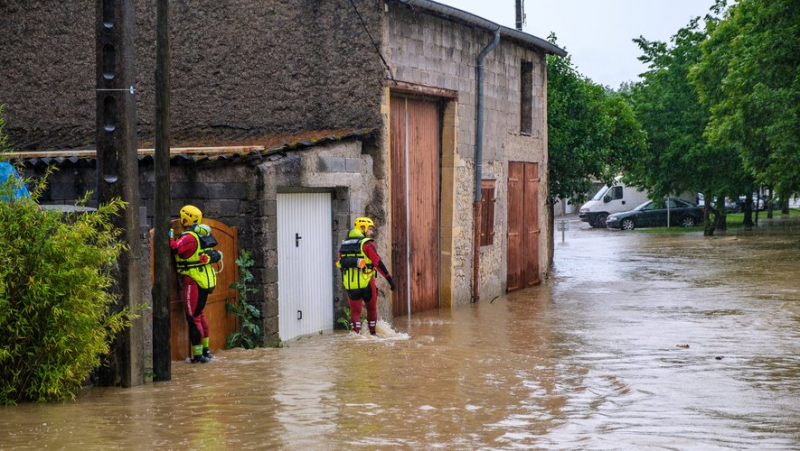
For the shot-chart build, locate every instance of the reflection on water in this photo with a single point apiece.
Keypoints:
(636, 342)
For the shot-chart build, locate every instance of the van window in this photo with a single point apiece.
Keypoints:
(600, 194)
(615, 193)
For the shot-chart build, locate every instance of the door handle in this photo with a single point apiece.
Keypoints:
(297, 239)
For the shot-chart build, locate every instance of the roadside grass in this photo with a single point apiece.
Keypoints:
(735, 221)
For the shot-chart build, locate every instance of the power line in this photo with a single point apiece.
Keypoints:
(377, 49)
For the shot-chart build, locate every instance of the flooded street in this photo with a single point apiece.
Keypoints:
(637, 341)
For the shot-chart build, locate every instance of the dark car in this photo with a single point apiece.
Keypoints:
(654, 214)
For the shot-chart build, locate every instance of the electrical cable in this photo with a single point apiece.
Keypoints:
(377, 49)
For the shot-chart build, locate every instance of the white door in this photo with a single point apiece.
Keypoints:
(305, 274)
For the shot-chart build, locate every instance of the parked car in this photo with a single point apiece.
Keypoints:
(653, 213)
(732, 206)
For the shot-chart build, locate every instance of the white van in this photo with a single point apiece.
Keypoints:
(611, 199)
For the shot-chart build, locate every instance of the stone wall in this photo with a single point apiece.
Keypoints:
(429, 51)
(342, 169)
(244, 195)
(237, 67)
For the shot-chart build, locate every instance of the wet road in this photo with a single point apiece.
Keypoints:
(637, 341)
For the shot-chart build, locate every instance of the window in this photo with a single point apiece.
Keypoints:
(526, 98)
(616, 193)
(488, 200)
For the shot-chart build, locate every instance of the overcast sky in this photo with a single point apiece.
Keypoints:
(596, 33)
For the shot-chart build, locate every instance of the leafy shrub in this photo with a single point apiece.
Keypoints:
(344, 321)
(55, 272)
(249, 332)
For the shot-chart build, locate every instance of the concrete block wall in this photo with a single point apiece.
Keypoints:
(430, 51)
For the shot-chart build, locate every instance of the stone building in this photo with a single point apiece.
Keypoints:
(373, 104)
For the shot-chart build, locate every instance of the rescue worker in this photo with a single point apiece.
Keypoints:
(358, 260)
(196, 278)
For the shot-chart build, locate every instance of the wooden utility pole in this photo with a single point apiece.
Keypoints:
(520, 14)
(162, 365)
(118, 173)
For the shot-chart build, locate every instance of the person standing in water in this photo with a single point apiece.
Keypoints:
(359, 260)
(197, 277)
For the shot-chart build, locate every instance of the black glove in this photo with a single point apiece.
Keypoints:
(391, 282)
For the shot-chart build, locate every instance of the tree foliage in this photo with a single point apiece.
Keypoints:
(590, 130)
(678, 157)
(749, 78)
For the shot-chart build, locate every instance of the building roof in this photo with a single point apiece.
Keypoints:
(253, 148)
(457, 15)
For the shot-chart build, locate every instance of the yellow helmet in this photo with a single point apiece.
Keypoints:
(190, 215)
(363, 223)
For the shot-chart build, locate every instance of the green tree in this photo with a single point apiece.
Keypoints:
(748, 77)
(679, 158)
(589, 131)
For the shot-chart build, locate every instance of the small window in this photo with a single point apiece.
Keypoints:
(526, 98)
(616, 193)
(488, 200)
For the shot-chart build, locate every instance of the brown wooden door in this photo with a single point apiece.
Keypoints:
(531, 224)
(415, 203)
(523, 225)
(220, 322)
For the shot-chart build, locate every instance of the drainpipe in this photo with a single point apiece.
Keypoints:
(476, 259)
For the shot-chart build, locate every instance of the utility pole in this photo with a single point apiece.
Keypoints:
(118, 173)
(520, 14)
(162, 364)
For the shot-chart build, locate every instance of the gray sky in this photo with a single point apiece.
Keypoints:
(596, 33)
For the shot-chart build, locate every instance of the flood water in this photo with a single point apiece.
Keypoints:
(637, 341)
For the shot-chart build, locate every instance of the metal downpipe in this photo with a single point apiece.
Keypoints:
(476, 260)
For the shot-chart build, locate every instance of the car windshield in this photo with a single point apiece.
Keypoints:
(601, 193)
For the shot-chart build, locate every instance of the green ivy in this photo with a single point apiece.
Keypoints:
(345, 320)
(55, 276)
(249, 333)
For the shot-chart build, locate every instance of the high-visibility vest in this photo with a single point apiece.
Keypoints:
(354, 275)
(202, 273)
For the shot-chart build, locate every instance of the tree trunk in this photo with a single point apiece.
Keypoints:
(748, 213)
(551, 238)
(722, 221)
(708, 224)
(768, 203)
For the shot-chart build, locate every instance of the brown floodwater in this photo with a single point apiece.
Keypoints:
(637, 341)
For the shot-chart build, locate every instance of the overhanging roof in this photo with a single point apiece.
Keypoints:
(457, 15)
(251, 149)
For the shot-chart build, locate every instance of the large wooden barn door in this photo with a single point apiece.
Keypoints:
(220, 321)
(305, 277)
(415, 203)
(523, 225)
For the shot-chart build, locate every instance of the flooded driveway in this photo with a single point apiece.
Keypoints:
(637, 341)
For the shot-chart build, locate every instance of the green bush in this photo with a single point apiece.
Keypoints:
(55, 272)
